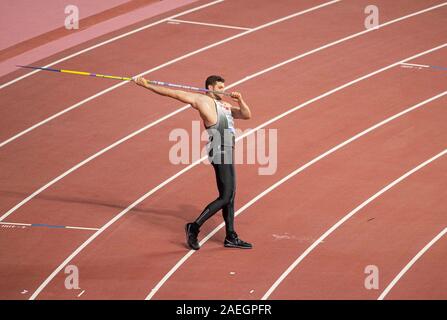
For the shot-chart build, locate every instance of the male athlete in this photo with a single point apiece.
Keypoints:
(218, 117)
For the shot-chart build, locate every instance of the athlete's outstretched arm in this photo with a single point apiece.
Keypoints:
(183, 96)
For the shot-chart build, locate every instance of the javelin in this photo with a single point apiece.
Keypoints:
(90, 74)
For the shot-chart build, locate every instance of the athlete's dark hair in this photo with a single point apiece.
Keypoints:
(211, 80)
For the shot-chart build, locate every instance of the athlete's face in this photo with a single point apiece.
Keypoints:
(218, 86)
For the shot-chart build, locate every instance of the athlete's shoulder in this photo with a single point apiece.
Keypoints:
(202, 103)
(205, 101)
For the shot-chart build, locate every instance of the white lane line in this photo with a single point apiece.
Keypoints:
(119, 84)
(415, 65)
(99, 153)
(82, 228)
(283, 180)
(82, 292)
(111, 40)
(411, 263)
(343, 220)
(16, 224)
(208, 24)
(103, 228)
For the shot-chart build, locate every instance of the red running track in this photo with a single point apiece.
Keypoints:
(129, 258)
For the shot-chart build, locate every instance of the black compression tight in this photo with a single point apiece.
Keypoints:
(226, 183)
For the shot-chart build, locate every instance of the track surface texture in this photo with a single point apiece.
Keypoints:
(360, 179)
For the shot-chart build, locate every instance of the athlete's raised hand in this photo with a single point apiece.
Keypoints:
(140, 81)
(237, 96)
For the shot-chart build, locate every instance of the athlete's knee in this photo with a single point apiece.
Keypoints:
(227, 197)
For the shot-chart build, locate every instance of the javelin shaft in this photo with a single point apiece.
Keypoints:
(172, 85)
(97, 75)
(80, 73)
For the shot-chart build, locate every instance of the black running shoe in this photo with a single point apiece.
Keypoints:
(192, 231)
(233, 241)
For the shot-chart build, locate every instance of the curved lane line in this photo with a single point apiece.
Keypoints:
(411, 263)
(344, 219)
(288, 177)
(120, 84)
(142, 198)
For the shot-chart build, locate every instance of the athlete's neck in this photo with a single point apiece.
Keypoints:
(213, 96)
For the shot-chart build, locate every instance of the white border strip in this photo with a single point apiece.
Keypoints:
(288, 177)
(119, 84)
(343, 220)
(208, 24)
(111, 40)
(411, 263)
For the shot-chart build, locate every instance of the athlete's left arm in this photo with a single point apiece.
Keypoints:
(242, 111)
